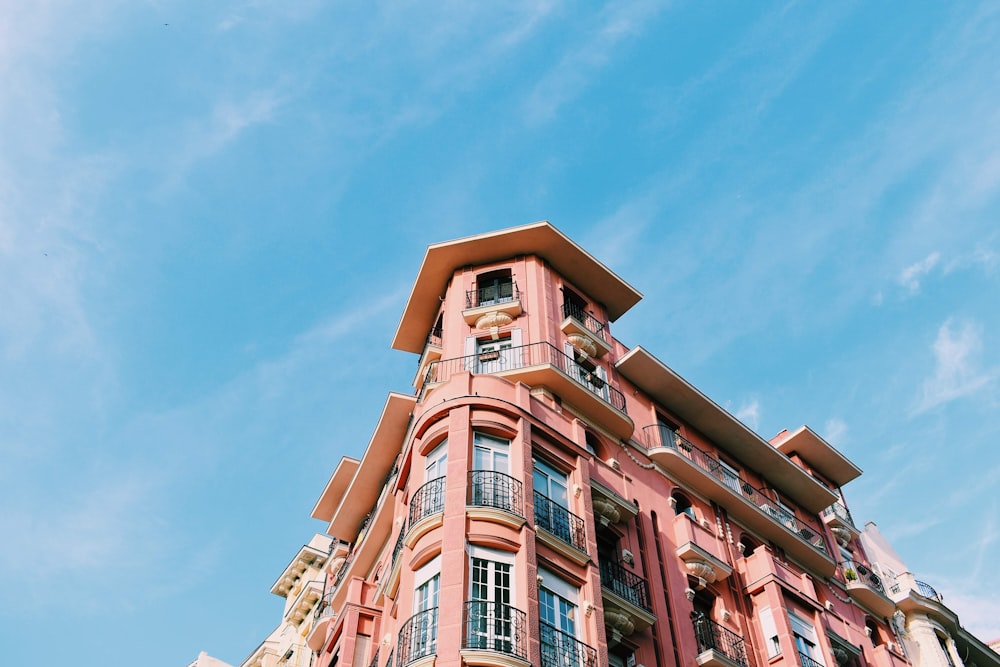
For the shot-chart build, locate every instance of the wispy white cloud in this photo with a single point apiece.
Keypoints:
(911, 276)
(749, 413)
(835, 431)
(575, 70)
(956, 359)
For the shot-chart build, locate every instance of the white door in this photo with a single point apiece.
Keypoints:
(490, 619)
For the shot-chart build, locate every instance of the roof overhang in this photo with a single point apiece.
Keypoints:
(820, 454)
(728, 433)
(538, 238)
(335, 489)
(384, 447)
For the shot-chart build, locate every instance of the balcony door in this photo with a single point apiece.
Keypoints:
(493, 356)
(552, 511)
(490, 621)
(491, 485)
(557, 610)
(423, 630)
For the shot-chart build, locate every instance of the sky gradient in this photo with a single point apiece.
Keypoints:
(211, 214)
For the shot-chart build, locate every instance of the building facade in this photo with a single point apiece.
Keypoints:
(549, 497)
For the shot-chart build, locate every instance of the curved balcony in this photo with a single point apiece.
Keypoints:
(418, 637)
(543, 364)
(495, 496)
(559, 522)
(585, 330)
(323, 617)
(928, 591)
(718, 646)
(744, 502)
(560, 649)
(866, 587)
(494, 627)
(838, 517)
(426, 510)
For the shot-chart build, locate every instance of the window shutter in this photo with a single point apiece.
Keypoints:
(770, 632)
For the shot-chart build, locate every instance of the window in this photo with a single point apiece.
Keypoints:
(682, 505)
(585, 371)
(730, 476)
(423, 623)
(557, 609)
(491, 483)
(494, 287)
(437, 462)
(770, 632)
(944, 647)
(805, 641)
(551, 506)
(493, 356)
(490, 619)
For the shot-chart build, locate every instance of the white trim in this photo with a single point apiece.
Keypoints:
(559, 586)
(476, 551)
(428, 571)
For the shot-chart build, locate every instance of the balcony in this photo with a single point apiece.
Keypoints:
(310, 592)
(809, 661)
(418, 637)
(591, 335)
(718, 646)
(562, 524)
(493, 627)
(543, 364)
(560, 649)
(866, 588)
(838, 517)
(928, 591)
(745, 503)
(323, 617)
(426, 509)
(626, 599)
(495, 496)
(391, 584)
(495, 305)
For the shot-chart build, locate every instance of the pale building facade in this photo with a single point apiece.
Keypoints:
(930, 630)
(548, 496)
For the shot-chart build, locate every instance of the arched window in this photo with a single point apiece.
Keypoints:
(747, 545)
(871, 627)
(682, 505)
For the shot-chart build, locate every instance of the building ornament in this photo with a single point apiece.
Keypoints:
(583, 344)
(607, 512)
(493, 320)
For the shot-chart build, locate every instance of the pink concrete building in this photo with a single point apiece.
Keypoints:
(550, 497)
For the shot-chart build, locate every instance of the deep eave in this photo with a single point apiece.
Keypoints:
(333, 494)
(539, 238)
(382, 451)
(728, 433)
(820, 455)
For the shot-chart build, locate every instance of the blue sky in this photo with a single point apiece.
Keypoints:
(211, 213)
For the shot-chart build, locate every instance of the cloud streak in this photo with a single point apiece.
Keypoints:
(956, 374)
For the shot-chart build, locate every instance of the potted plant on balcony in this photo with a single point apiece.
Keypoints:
(850, 575)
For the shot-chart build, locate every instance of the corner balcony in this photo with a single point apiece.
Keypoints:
(557, 527)
(718, 646)
(747, 504)
(626, 599)
(323, 618)
(495, 305)
(590, 332)
(426, 510)
(495, 496)
(560, 649)
(418, 638)
(866, 588)
(838, 517)
(545, 365)
(493, 634)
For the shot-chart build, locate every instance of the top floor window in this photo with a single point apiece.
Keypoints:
(491, 288)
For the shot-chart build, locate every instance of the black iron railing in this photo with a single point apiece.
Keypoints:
(560, 649)
(418, 636)
(325, 607)
(494, 626)
(594, 325)
(428, 500)
(927, 591)
(559, 521)
(660, 435)
(374, 662)
(495, 489)
(712, 636)
(525, 356)
(499, 292)
(625, 584)
(854, 571)
(434, 337)
(399, 545)
(388, 662)
(808, 661)
(841, 512)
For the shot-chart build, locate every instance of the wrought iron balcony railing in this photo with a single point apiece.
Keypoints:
(418, 636)
(494, 626)
(625, 584)
(928, 591)
(560, 649)
(560, 522)
(525, 356)
(501, 292)
(841, 512)
(325, 607)
(854, 571)
(808, 661)
(497, 490)
(659, 435)
(428, 500)
(374, 662)
(712, 636)
(594, 325)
